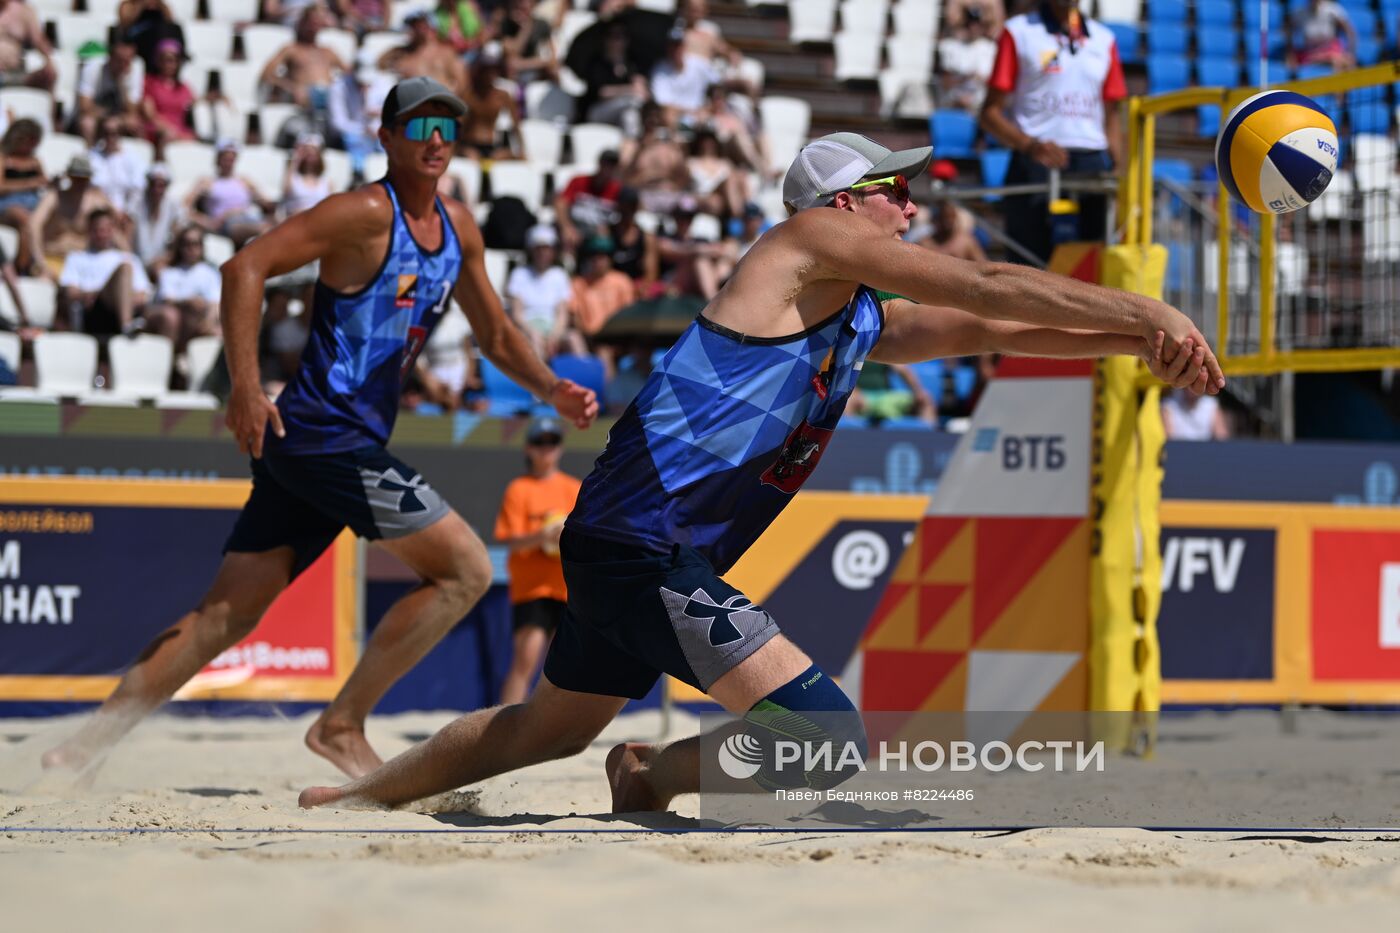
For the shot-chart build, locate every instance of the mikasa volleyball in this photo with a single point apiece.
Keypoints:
(1276, 152)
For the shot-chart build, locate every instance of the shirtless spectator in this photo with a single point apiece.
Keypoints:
(692, 266)
(116, 171)
(20, 30)
(302, 71)
(424, 54)
(60, 221)
(680, 81)
(702, 36)
(656, 164)
(111, 86)
(528, 44)
(738, 137)
(288, 12)
(949, 233)
(615, 90)
(103, 286)
(586, 205)
(486, 101)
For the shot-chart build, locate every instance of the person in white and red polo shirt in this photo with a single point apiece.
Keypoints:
(1052, 99)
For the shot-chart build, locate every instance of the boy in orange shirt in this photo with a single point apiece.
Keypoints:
(531, 518)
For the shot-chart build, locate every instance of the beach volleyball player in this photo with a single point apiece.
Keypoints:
(392, 256)
(724, 432)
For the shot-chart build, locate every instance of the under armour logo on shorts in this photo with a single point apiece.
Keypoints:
(408, 500)
(700, 608)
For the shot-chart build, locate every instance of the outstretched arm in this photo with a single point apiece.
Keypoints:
(915, 332)
(500, 340)
(851, 248)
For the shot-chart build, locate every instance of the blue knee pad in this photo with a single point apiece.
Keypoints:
(812, 736)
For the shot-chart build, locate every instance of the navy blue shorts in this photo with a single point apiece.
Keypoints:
(635, 613)
(304, 502)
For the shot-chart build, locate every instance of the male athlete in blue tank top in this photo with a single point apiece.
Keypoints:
(725, 431)
(392, 257)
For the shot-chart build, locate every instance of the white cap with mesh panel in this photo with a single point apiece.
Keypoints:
(835, 162)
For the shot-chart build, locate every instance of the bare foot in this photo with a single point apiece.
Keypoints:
(343, 744)
(632, 792)
(319, 797)
(72, 756)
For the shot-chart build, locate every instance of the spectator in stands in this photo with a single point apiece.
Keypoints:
(965, 60)
(702, 36)
(22, 185)
(20, 30)
(679, 81)
(116, 170)
(599, 290)
(362, 16)
(187, 293)
(155, 216)
(988, 11)
(486, 101)
(304, 184)
(461, 25)
(1318, 31)
(529, 524)
(425, 54)
(446, 366)
(655, 163)
(885, 391)
(615, 91)
(229, 204)
(690, 265)
(537, 295)
(111, 86)
(716, 183)
(1059, 74)
(742, 142)
(1187, 418)
(587, 203)
(102, 287)
(352, 124)
(528, 43)
(302, 71)
(166, 101)
(634, 249)
(10, 275)
(60, 223)
(287, 12)
(149, 23)
(749, 228)
(950, 231)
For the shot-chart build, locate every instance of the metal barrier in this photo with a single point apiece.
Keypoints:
(1315, 290)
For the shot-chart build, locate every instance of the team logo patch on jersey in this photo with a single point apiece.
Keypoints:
(798, 458)
(407, 293)
(1050, 62)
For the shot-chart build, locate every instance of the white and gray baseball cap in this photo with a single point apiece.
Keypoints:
(833, 163)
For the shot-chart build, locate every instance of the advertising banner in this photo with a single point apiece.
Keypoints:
(92, 570)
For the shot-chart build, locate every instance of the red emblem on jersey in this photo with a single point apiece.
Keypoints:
(417, 336)
(798, 458)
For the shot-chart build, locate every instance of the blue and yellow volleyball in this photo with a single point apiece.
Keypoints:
(1276, 152)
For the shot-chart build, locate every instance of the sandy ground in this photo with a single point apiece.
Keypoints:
(225, 848)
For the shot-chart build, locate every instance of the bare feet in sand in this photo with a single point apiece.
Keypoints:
(319, 797)
(632, 792)
(343, 744)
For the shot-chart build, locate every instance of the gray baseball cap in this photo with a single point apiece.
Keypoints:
(415, 92)
(835, 162)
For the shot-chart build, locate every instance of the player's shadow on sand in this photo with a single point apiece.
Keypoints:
(662, 822)
(219, 791)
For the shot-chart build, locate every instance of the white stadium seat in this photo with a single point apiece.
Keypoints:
(911, 56)
(183, 12)
(66, 363)
(590, 140)
(56, 150)
(189, 159)
(1332, 203)
(261, 41)
(263, 165)
(73, 30)
(917, 18)
(497, 268)
(9, 243)
(544, 143)
(339, 171)
(518, 179)
(466, 169)
(1375, 161)
(375, 44)
(812, 20)
(786, 123)
(1121, 11)
(40, 300)
(575, 22)
(864, 16)
(239, 83)
(209, 44)
(28, 102)
(340, 41)
(545, 100)
(377, 165)
(217, 249)
(232, 11)
(203, 355)
(10, 347)
(140, 365)
(857, 56)
(218, 119)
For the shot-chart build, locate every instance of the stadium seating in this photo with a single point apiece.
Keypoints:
(590, 140)
(857, 55)
(66, 363)
(1129, 39)
(787, 121)
(28, 102)
(1167, 38)
(10, 347)
(587, 371)
(236, 11)
(1120, 11)
(812, 20)
(918, 18)
(995, 163)
(544, 143)
(1163, 12)
(1167, 73)
(953, 134)
(141, 365)
(504, 399)
(1218, 41)
(910, 56)
(520, 180)
(1214, 13)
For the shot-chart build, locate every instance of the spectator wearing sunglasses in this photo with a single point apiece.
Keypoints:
(1053, 99)
(187, 293)
(529, 524)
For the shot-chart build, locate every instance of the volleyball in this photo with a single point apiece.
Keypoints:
(1276, 152)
